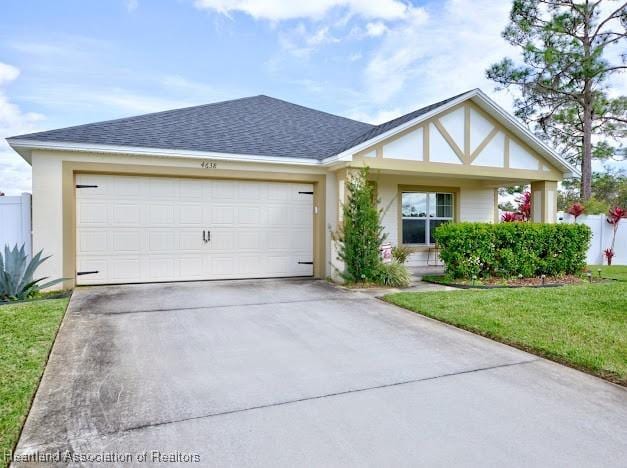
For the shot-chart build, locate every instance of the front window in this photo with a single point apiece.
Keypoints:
(422, 212)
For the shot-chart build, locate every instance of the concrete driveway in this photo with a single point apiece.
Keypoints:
(296, 372)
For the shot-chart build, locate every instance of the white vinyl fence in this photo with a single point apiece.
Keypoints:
(15, 221)
(601, 237)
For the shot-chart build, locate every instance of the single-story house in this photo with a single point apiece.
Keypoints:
(253, 187)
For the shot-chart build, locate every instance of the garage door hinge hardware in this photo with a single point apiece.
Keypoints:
(306, 193)
(81, 273)
(86, 186)
(305, 263)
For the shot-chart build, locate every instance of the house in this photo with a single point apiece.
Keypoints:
(253, 187)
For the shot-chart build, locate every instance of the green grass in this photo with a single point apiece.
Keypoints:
(617, 272)
(584, 326)
(27, 331)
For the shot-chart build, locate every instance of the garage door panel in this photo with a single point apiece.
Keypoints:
(190, 214)
(92, 240)
(142, 229)
(162, 241)
(219, 215)
(191, 190)
(127, 241)
(91, 213)
(160, 214)
(162, 188)
(126, 214)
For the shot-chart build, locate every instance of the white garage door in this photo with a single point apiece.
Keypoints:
(145, 229)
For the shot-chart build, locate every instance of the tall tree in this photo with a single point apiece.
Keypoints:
(570, 49)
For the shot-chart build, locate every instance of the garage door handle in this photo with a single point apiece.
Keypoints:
(208, 236)
(204, 237)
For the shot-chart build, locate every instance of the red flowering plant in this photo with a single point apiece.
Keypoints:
(614, 215)
(509, 217)
(523, 211)
(576, 210)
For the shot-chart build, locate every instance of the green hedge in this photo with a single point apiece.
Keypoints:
(511, 249)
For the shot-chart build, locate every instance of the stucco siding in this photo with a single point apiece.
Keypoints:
(387, 191)
(476, 205)
(47, 214)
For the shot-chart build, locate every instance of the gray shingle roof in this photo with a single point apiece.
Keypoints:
(258, 125)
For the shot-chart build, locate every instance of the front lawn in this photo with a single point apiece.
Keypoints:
(27, 331)
(584, 326)
(617, 272)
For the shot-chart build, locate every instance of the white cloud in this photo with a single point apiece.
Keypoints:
(375, 118)
(13, 121)
(132, 5)
(355, 57)
(279, 10)
(438, 53)
(376, 29)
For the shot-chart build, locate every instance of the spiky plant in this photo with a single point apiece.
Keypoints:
(16, 274)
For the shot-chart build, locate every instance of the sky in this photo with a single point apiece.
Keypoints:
(68, 62)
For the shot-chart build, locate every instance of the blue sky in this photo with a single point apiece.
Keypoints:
(67, 62)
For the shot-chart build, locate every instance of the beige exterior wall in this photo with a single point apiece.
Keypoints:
(53, 196)
(476, 205)
(48, 213)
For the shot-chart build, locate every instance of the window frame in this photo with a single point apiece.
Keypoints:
(427, 191)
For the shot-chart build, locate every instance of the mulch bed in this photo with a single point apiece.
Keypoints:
(489, 283)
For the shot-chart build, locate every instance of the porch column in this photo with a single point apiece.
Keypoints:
(543, 201)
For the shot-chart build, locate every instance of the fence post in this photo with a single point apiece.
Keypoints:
(27, 233)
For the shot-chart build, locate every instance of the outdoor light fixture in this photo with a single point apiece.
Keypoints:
(599, 272)
(589, 275)
(543, 278)
(474, 278)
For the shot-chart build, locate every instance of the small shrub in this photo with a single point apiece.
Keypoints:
(512, 249)
(401, 253)
(393, 274)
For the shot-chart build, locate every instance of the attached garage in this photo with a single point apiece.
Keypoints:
(132, 229)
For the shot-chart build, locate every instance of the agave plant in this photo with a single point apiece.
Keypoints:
(16, 274)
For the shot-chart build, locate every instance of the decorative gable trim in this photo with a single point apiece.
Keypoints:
(489, 107)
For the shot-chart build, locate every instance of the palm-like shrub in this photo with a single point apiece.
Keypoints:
(16, 274)
(393, 274)
(401, 253)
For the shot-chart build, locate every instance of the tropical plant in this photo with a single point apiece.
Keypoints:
(524, 206)
(393, 274)
(360, 233)
(614, 216)
(523, 209)
(568, 54)
(400, 253)
(576, 210)
(16, 274)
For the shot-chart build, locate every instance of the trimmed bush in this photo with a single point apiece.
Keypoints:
(512, 249)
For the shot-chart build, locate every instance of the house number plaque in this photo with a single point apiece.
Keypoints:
(208, 165)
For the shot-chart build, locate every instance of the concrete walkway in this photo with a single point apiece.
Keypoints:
(298, 372)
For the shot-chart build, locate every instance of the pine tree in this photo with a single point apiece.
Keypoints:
(566, 48)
